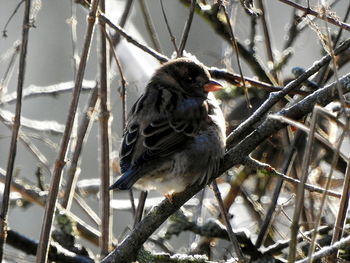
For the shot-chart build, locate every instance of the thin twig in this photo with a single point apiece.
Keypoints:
(130, 39)
(80, 201)
(326, 73)
(331, 52)
(150, 26)
(140, 207)
(173, 39)
(232, 236)
(329, 250)
(235, 46)
(278, 188)
(312, 12)
(73, 35)
(252, 36)
(122, 78)
(220, 26)
(187, 28)
(31, 146)
(124, 107)
(51, 127)
(237, 80)
(4, 31)
(292, 30)
(336, 153)
(84, 129)
(122, 21)
(278, 246)
(33, 195)
(15, 128)
(52, 90)
(9, 69)
(252, 163)
(341, 29)
(299, 203)
(324, 196)
(343, 208)
(60, 161)
(267, 36)
(105, 141)
(304, 128)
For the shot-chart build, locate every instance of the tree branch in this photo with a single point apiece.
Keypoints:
(325, 17)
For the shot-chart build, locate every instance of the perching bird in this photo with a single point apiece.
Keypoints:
(175, 133)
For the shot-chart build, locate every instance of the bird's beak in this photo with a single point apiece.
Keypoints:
(212, 85)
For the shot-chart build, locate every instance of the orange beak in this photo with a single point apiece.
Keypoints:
(212, 86)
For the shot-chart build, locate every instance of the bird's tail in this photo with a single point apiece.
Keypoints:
(126, 181)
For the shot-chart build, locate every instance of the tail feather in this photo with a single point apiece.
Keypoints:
(126, 181)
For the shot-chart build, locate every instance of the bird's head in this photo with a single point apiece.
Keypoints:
(187, 76)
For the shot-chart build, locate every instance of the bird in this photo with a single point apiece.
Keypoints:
(175, 132)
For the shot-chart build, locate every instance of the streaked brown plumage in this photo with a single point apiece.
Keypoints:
(175, 133)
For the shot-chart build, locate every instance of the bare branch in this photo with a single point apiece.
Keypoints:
(274, 97)
(53, 90)
(15, 127)
(105, 140)
(187, 28)
(60, 162)
(252, 163)
(40, 126)
(56, 252)
(130, 39)
(84, 128)
(150, 27)
(309, 11)
(232, 236)
(172, 37)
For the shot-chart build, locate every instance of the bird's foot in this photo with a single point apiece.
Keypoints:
(169, 197)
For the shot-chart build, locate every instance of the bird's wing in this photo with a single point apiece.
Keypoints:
(174, 123)
(190, 116)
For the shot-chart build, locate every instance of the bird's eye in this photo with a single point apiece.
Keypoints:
(190, 80)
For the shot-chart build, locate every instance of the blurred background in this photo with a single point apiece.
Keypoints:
(50, 62)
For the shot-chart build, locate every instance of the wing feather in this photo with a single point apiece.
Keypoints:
(182, 118)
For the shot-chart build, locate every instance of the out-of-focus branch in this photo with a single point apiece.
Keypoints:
(53, 90)
(56, 252)
(40, 126)
(309, 11)
(252, 163)
(233, 238)
(38, 197)
(329, 250)
(73, 171)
